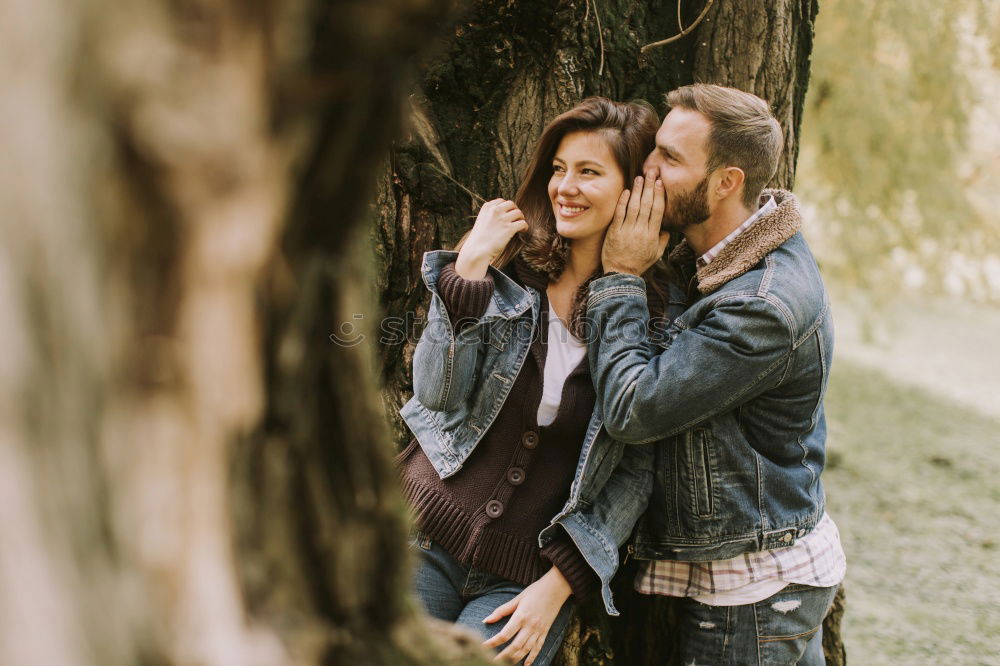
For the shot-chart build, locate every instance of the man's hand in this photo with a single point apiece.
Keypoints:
(496, 224)
(634, 241)
(531, 615)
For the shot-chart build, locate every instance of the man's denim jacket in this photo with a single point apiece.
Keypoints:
(460, 382)
(731, 394)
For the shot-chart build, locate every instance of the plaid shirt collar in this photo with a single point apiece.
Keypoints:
(768, 206)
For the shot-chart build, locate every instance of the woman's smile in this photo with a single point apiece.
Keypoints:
(585, 185)
(571, 210)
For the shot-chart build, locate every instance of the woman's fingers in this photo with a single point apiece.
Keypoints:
(535, 650)
(501, 611)
(504, 635)
(518, 649)
(512, 215)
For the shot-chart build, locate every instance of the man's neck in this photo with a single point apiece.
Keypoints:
(724, 219)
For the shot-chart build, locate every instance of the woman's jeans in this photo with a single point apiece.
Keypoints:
(786, 628)
(453, 592)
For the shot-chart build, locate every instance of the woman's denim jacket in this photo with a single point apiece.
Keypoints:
(460, 382)
(731, 395)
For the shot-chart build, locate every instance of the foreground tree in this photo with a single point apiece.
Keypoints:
(481, 104)
(191, 472)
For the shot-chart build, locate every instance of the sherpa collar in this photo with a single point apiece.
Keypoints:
(750, 247)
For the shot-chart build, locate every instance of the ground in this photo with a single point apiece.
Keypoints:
(914, 482)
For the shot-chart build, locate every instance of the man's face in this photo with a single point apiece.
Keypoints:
(680, 160)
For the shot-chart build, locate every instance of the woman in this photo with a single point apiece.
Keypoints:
(503, 407)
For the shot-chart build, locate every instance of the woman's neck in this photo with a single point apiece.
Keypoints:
(584, 258)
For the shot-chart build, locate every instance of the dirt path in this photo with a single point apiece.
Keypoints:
(914, 484)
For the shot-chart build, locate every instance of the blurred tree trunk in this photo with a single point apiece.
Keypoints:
(509, 68)
(190, 471)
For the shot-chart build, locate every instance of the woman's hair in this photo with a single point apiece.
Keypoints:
(629, 129)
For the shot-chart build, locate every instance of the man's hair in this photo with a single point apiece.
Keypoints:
(744, 133)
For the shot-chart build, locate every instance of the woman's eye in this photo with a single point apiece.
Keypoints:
(590, 172)
(557, 169)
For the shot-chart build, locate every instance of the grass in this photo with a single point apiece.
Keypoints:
(913, 482)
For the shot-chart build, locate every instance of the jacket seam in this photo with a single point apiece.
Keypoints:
(610, 292)
(784, 358)
(765, 281)
(814, 326)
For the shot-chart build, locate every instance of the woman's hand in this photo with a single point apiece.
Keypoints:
(531, 615)
(496, 224)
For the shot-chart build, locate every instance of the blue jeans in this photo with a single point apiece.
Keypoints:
(786, 628)
(454, 592)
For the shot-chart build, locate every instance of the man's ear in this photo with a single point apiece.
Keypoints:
(730, 182)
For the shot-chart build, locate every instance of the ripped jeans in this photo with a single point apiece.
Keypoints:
(784, 629)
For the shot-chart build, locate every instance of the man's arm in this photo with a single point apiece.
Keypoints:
(647, 392)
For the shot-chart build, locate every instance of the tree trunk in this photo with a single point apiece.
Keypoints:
(191, 472)
(481, 104)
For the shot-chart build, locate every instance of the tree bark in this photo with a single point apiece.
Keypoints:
(480, 106)
(191, 471)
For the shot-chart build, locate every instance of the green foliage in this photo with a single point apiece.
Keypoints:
(889, 139)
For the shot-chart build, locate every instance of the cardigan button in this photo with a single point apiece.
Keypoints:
(494, 509)
(529, 439)
(515, 475)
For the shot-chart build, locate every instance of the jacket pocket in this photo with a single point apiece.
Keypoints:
(695, 471)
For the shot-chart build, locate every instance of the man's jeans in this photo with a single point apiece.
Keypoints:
(453, 592)
(783, 629)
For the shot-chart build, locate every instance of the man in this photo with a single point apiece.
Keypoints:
(730, 392)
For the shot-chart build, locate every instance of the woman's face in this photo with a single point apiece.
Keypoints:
(585, 185)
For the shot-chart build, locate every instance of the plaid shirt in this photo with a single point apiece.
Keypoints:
(769, 205)
(816, 559)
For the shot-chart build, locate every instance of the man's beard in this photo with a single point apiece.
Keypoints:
(687, 208)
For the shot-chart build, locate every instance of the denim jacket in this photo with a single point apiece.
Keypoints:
(731, 394)
(460, 382)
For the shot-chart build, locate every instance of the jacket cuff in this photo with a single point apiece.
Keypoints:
(615, 284)
(563, 554)
(465, 300)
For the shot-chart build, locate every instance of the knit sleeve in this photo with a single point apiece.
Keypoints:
(564, 555)
(465, 300)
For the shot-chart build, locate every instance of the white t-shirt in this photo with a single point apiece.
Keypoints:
(564, 352)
